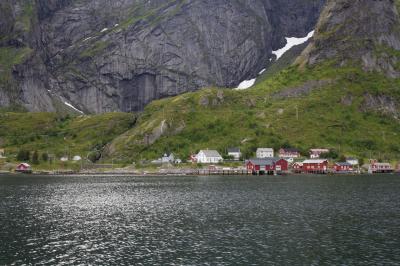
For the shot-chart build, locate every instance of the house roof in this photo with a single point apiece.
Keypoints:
(351, 159)
(265, 150)
(234, 149)
(343, 164)
(264, 161)
(315, 161)
(24, 164)
(319, 150)
(211, 153)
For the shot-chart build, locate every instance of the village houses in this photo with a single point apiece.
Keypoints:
(265, 153)
(209, 156)
(316, 153)
(234, 153)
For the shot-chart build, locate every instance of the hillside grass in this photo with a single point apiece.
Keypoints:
(257, 118)
(58, 135)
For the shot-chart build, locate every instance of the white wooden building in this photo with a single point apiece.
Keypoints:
(265, 153)
(209, 156)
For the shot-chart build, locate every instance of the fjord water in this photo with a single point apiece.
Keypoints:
(298, 220)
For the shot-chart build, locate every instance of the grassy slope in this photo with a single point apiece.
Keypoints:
(47, 132)
(255, 117)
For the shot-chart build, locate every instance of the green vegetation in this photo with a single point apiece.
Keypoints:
(9, 57)
(95, 49)
(54, 136)
(221, 118)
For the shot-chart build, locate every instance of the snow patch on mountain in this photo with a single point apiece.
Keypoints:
(290, 43)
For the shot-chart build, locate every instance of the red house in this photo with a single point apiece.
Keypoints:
(297, 167)
(343, 167)
(315, 166)
(267, 165)
(23, 168)
(281, 165)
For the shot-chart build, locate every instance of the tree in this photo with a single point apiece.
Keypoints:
(342, 159)
(35, 158)
(45, 157)
(23, 155)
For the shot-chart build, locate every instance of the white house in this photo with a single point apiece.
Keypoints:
(209, 156)
(316, 153)
(235, 153)
(76, 158)
(352, 161)
(265, 153)
(2, 153)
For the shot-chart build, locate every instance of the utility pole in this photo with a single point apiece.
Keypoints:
(297, 112)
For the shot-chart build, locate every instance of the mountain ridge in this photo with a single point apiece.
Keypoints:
(103, 57)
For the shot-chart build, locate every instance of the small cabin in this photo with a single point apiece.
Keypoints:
(235, 153)
(23, 168)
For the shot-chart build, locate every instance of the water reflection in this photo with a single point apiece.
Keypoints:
(200, 220)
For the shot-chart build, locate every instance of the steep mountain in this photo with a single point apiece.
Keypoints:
(341, 93)
(102, 56)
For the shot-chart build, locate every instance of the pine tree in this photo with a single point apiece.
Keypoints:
(35, 158)
(45, 157)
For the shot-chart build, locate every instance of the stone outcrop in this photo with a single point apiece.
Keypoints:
(364, 32)
(103, 56)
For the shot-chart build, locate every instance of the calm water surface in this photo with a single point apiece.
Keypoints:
(294, 220)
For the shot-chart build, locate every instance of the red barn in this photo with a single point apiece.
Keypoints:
(343, 167)
(281, 165)
(315, 166)
(267, 165)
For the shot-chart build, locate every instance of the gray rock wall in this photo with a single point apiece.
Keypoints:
(103, 55)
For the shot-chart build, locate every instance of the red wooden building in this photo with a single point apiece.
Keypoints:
(267, 165)
(297, 167)
(343, 167)
(315, 166)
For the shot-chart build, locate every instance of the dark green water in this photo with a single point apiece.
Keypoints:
(200, 220)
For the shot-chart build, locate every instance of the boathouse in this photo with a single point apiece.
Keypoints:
(267, 165)
(315, 166)
(343, 167)
(376, 167)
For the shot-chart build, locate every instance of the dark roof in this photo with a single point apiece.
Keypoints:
(264, 161)
(344, 164)
(233, 150)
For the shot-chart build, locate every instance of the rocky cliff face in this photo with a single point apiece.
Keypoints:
(364, 32)
(102, 55)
